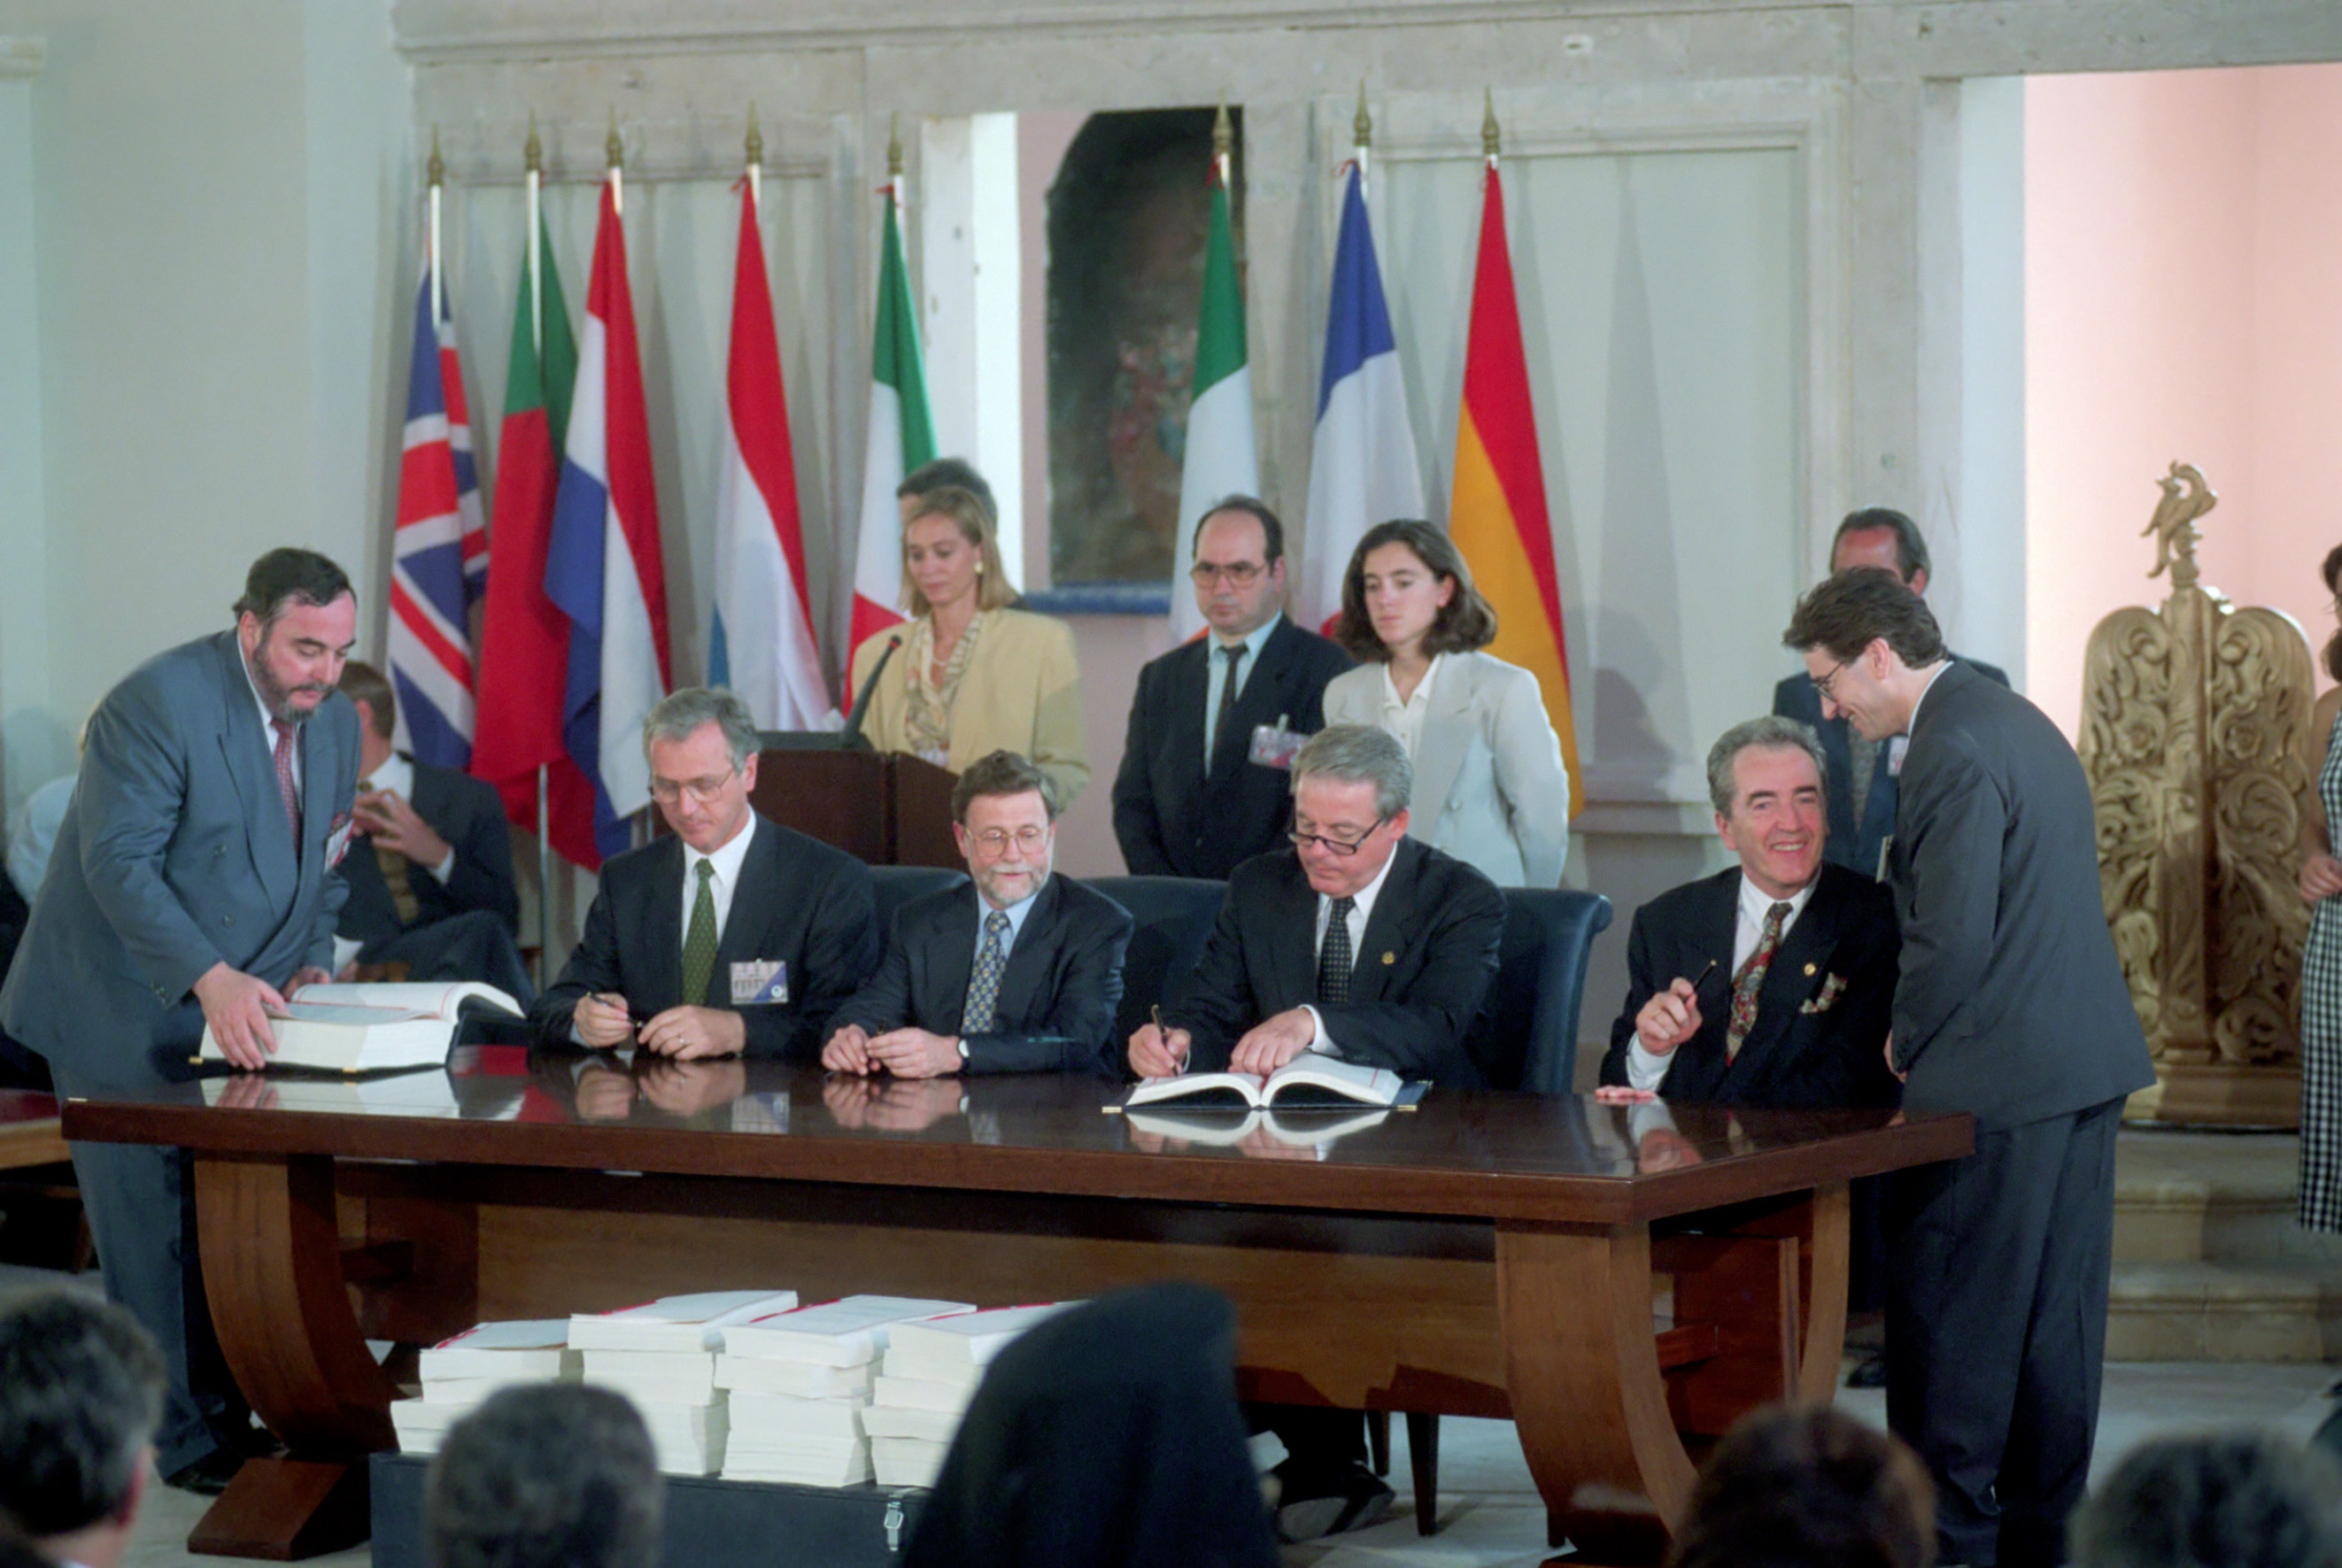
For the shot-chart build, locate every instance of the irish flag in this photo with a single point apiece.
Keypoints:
(1220, 459)
(902, 436)
(1497, 514)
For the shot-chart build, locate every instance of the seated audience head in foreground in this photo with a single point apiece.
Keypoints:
(1807, 1486)
(545, 1475)
(81, 1394)
(2213, 1500)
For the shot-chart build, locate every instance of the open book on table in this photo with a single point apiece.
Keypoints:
(1310, 1082)
(375, 1028)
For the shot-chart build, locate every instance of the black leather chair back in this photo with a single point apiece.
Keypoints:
(1173, 917)
(1526, 1035)
(893, 887)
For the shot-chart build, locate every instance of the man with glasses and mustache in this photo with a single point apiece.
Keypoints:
(732, 936)
(194, 883)
(1196, 794)
(1358, 943)
(1014, 971)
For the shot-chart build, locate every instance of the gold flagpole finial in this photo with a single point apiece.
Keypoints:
(894, 145)
(532, 151)
(1488, 137)
(435, 171)
(1224, 133)
(756, 137)
(615, 148)
(1362, 128)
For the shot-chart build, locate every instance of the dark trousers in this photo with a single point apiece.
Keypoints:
(1996, 1329)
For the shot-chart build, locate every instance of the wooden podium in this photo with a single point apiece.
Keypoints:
(884, 808)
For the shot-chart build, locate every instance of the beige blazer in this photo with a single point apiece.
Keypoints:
(1489, 787)
(1022, 692)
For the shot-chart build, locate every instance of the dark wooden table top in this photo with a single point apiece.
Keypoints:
(1492, 1156)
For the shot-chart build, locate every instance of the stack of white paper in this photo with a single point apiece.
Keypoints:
(459, 1373)
(662, 1355)
(931, 1371)
(797, 1382)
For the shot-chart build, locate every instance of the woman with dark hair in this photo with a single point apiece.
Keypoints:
(1489, 787)
(972, 674)
(2319, 1206)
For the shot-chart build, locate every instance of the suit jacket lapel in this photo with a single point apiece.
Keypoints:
(949, 961)
(1447, 736)
(1294, 935)
(246, 747)
(1190, 688)
(662, 929)
(1796, 974)
(1387, 926)
(1028, 961)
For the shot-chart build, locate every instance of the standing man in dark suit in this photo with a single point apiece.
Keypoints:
(1810, 946)
(733, 937)
(1861, 770)
(193, 884)
(1190, 799)
(1014, 971)
(1360, 944)
(2010, 1007)
(432, 886)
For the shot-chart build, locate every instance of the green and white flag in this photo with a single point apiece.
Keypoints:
(902, 437)
(1221, 458)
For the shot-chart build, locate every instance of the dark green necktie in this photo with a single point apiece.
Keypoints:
(699, 942)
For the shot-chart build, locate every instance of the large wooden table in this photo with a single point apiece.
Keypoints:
(1485, 1254)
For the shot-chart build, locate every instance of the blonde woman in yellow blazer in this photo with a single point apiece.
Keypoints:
(972, 676)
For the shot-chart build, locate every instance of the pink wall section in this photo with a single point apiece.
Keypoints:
(2183, 300)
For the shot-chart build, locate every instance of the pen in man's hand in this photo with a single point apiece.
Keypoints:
(1703, 976)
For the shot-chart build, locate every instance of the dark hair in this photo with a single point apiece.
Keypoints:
(2330, 573)
(948, 473)
(1849, 610)
(81, 1394)
(362, 682)
(1910, 549)
(1272, 531)
(2234, 1500)
(1808, 1487)
(1001, 772)
(545, 1475)
(1466, 622)
(287, 575)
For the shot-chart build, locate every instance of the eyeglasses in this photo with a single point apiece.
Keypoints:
(1822, 683)
(1238, 574)
(666, 791)
(994, 839)
(1341, 846)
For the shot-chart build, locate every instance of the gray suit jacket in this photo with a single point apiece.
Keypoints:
(1489, 787)
(176, 856)
(2010, 1003)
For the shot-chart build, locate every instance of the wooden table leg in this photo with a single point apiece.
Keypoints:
(1829, 1248)
(1575, 1303)
(272, 1273)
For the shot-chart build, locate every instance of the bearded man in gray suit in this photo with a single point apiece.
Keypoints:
(193, 883)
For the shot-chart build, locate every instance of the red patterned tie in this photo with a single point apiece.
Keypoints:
(285, 786)
(1751, 980)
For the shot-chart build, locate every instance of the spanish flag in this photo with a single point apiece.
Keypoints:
(1497, 514)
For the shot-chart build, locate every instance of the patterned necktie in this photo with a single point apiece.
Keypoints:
(285, 786)
(394, 868)
(1751, 980)
(984, 986)
(1334, 955)
(1226, 710)
(699, 942)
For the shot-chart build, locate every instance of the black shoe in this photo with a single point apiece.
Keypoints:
(1870, 1373)
(207, 1476)
(1330, 1502)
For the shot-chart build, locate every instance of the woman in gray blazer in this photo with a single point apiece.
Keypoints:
(1489, 787)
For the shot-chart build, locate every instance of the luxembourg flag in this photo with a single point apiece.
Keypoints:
(1220, 459)
(439, 549)
(603, 567)
(760, 644)
(1364, 470)
(902, 437)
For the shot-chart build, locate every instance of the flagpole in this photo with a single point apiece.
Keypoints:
(1362, 133)
(1223, 141)
(532, 159)
(1488, 137)
(616, 151)
(436, 172)
(755, 161)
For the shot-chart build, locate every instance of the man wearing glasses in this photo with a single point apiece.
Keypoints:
(1215, 722)
(1014, 971)
(733, 937)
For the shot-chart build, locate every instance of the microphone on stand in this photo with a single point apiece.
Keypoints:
(852, 735)
(849, 739)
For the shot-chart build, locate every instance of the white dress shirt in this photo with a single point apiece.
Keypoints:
(1216, 676)
(1645, 1068)
(1404, 719)
(1361, 905)
(727, 861)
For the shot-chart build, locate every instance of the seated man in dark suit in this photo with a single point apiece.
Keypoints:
(1769, 983)
(437, 894)
(1015, 971)
(1358, 943)
(733, 937)
(1861, 785)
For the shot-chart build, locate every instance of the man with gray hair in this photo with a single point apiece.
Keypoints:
(732, 936)
(1769, 984)
(545, 1475)
(81, 1394)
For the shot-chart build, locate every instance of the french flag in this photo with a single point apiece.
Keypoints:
(1363, 470)
(603, 567)
(439, 549)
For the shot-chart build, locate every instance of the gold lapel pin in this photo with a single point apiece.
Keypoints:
(1810, 971)
(1390, 958)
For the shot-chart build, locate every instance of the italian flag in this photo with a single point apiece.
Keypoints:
(1221, 459)
(1497, 514)
(902, 437)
